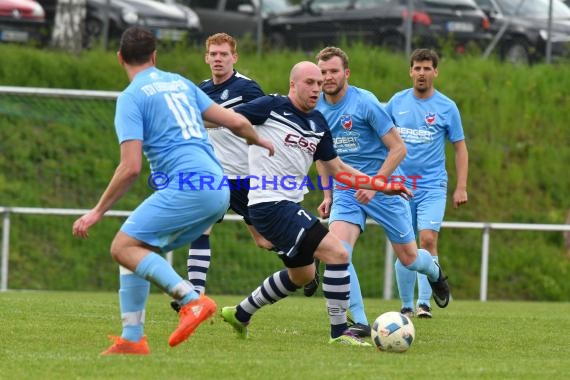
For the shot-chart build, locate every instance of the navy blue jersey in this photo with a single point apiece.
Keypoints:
(236, 90)
(230, 149)
(299, 139)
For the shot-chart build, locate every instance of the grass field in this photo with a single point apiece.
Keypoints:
(58, 335)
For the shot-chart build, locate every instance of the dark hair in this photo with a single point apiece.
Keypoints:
(419, 55)
(137, 45)
(332, 51)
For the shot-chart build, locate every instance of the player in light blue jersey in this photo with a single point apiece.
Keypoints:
(365, 138)
(160, 114)
(300, 136)
(228, 88)
(425, 119)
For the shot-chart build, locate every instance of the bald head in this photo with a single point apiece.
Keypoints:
(302, 69)
(305, 83)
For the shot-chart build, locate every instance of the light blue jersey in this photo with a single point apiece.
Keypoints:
(357, 124)
(424, 125)
(164, 111)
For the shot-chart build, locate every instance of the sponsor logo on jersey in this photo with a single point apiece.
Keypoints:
(300, 142)
(312, 125)
(346, 122)
(421, 136)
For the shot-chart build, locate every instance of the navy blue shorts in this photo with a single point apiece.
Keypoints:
(239, 191)
(283, 223)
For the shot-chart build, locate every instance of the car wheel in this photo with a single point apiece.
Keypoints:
(517, 53)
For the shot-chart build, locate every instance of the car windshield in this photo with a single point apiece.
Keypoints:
(452, 3)
(275, 6)
(324, 5)
(368, 3)
(534, 8)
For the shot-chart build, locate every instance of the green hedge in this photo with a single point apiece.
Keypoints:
(515, 120)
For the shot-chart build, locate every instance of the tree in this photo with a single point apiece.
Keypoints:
(68, 26)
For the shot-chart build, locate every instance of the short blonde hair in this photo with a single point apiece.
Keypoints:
(332, 51)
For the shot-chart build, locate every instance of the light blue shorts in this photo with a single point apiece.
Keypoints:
(428, 208)
(390, 212)
(171, 218)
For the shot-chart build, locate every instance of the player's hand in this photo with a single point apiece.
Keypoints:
(364, 196)
(459, 197)
(324, 208)
(81, 226)
(264, 143)
(398, 188)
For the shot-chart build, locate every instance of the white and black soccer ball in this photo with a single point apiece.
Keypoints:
(393, 332)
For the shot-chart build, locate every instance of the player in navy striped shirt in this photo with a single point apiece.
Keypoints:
(300, 135)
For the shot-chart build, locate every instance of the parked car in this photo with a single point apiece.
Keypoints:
(525, 37)
(169, 22)
(235, 17)
(20, 20)
(381, 22)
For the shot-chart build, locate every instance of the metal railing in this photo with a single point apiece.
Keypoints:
(389, 255)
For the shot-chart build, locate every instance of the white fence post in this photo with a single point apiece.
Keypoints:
(388, 270)
(5, 249)
(485, 263)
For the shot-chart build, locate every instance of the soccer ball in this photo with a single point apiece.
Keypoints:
(393, 332)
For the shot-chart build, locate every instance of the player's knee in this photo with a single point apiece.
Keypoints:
(428, 243)
(116, 250)
(333, 254)
(301, 276)
(119, 245)
(406, 253)
(341, 255)
(428, 240)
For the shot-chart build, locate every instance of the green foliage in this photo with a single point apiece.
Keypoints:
(62, 154)
(59, 335)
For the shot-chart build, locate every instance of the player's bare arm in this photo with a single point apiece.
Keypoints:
(324, 208)
(396, 153)
(209, 124)
(238, 124)
(125, 175)
(355, 178)
(461, 168)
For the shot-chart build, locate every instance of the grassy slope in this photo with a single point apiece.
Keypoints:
(515, 119)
